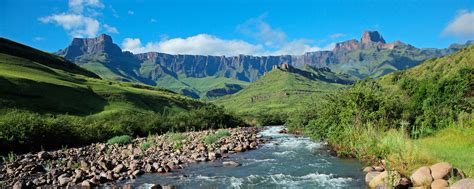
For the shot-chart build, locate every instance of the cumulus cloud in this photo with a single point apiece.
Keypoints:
(202, 44)
(462, 25)
(77, 25)
(337, 35)
(110, 29)
(298, 47)
(80, 20)
(78, 6)
(130, 12)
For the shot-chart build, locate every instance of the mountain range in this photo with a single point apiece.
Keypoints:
(202, 76)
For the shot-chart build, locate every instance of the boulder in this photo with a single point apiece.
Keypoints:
(231, 163)
(370, 175)
(379, 168)
(441, 170)
(43, 155)
(385, 178)
(467, 183)
(119, 168)
(422, 177)
(19, 185)
(439, 184)
(368, 169)
(63, 180)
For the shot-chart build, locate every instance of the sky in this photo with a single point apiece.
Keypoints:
(219, 27)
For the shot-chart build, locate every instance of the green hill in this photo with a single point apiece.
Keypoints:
(46, 101)
(409, 118)
(284, 90)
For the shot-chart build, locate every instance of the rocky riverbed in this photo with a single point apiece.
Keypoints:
(104, 164)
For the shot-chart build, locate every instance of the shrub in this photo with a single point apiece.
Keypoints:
(145, 145)
(213, 138)
(124, 139)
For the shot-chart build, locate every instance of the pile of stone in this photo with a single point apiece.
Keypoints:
(100, 163)
(435, 176)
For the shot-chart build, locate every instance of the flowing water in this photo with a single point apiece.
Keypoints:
(286, 161)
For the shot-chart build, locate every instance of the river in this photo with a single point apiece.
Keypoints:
(287, 161)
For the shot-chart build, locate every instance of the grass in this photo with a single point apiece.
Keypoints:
(453, 145)
(177, 139)
(213, 138)
(41, 104)
(124, 139)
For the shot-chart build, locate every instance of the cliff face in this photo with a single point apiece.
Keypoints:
(369, 57)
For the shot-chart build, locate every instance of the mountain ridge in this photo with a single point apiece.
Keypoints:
(369, 57)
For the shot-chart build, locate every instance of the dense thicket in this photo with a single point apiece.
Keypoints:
(417, 102)
(22, 130)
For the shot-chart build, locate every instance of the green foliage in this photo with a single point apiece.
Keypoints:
(269, 100)
(145, 145)
(213, 138)
(124, 139)
(377, 119)
(11, 157)
(177, 139)
(50, 107)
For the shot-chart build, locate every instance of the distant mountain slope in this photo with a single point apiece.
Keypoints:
(369, 57)
(41, 82)
(283, 90)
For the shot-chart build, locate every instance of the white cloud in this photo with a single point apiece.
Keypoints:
(77, 6)
(130, 12)
(202, 44)
(80, 20)
(110, 29)
(153, 20)
(262, 31)
(77, 25)
(462, 25)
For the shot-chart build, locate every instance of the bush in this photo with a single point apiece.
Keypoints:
(213, 138)
(145, 145)
(124, 139)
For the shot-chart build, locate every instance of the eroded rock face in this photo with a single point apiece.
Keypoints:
(422, 177)
(97, 164)
(439, 184)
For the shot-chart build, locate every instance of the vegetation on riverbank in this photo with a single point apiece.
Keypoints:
(45, 105)
(390, 118)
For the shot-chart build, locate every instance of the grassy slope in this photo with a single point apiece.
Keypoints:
(32, 86)
(277, 91)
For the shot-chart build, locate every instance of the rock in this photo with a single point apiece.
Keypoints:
(385, 178)
(368, 169)
(149, 168)
(19, 185)
(231, 163)
(87, 183)
(403, 183)
(370, 175)
(213, 155)
(439, 184)
(379, 168)
(137, 172)
(421, 177)
(119, 168)
(467, 183)
(63, 180)
(441, 170)
(238, 148)
(43, 155)
(85, 165)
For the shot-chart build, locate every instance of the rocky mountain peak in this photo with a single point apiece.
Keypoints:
(83, 46)
(370, 37)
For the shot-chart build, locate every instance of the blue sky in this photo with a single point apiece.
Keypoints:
(218, 27)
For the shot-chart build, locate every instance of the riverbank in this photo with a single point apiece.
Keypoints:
(102, 163)
(397, 160)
